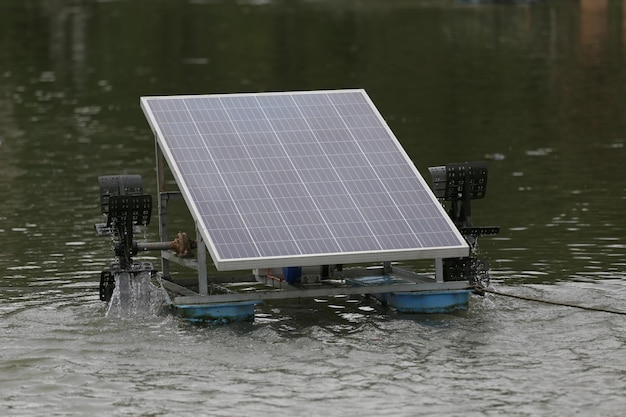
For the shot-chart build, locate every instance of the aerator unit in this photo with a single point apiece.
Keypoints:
(128, 209)
(310, 191)
(457, 185)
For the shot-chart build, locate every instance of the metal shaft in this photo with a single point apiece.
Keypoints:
(145, 246)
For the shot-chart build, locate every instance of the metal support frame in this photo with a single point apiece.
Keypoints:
(200, 264)
(290, 292)
(162, 204)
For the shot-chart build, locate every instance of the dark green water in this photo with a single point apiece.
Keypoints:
(536, 88)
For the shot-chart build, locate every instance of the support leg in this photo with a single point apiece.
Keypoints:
(439, 270)
(203, 285)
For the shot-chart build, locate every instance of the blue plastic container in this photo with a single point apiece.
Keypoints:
(217, 312)
(292, 274)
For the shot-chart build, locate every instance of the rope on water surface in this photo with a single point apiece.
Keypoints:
(481, 290)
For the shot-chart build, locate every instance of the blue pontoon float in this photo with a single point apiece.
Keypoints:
(300, 195)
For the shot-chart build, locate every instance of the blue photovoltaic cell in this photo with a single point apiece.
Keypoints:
(302, 178)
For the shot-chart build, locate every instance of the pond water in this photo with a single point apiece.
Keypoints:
(536, 88)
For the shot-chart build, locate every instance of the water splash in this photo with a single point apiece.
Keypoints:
(135, 296)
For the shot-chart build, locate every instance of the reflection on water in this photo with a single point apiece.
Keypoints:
(537, 87)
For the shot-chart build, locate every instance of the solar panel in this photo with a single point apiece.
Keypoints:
(297, 179)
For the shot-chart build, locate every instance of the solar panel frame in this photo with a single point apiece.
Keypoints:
(297, 179)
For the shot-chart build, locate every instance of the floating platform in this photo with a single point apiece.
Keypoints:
(235, 298)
